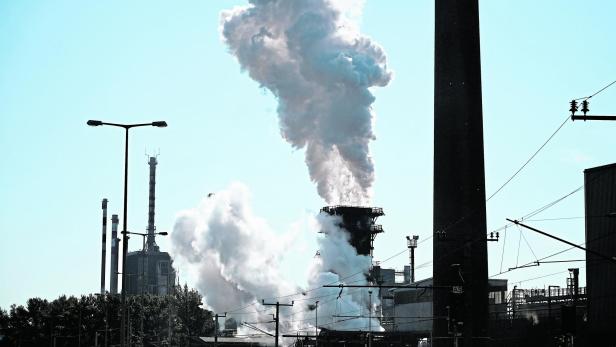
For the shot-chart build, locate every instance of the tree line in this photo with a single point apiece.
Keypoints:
(94, 320)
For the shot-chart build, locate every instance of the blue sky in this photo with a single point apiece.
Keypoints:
(64, 62)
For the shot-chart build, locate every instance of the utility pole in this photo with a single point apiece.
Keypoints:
(277, 318)
(79, 328)
(216, 316)
(316, 323)
(514, 302)
(370, 320)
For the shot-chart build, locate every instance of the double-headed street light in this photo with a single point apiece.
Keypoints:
(144, 235)
(160, 124)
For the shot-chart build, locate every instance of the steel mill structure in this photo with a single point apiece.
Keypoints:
(360, 222)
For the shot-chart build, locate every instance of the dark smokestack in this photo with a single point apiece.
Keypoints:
(104, 246)
(360, 223)
(113, 271)
(460, 251)
(151, 245)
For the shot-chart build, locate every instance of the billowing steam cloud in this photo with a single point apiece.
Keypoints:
(309, 55)
(234, 254)
(235, 258)
(339, 263)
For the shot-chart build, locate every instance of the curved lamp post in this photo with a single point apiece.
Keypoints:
(126, 127)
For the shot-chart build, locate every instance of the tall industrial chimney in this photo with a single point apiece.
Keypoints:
(460, 250)
(104, 246)
(113, 271)
(151, 244)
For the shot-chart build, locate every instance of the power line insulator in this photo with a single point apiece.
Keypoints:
(574, 107)
(585, 107)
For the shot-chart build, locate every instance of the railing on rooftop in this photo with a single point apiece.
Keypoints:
(522, 296)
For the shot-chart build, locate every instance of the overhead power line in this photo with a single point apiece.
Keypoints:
(529, 159)
(597, 92)
(545, 143)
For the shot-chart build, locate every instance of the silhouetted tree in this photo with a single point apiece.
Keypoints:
(67, 321)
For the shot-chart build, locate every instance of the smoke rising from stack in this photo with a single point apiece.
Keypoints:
(235, 258)
(310, 55)
(339, 263)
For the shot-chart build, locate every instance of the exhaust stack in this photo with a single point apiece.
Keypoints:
(460, 250)
(151, 244)
(104, 247)
(113, 272)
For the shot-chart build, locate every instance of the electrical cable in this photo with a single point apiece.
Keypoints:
(529, 159)
(517, 259)
(528, 244)
(599, 91)
(554, 254)
(528, 215)
(503, 252)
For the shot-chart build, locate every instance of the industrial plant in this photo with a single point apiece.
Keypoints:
(460, 304)
(149, 270)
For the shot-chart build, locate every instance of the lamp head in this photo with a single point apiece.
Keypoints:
(160, 124)
(94, 123)
(163, 233)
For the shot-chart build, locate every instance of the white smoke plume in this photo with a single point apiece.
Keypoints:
(339, 263)
(234, 258)
(309, 54)
(233, 255)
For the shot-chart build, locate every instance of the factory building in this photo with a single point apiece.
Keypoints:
(150, 272)
(410, 309)
(600, 205)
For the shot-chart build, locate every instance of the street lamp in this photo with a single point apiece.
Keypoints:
(144, 235)
(126, 127)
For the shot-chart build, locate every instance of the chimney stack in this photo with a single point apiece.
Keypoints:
(460, 249)
(151, 244)
(113, 271)
(104, 247)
